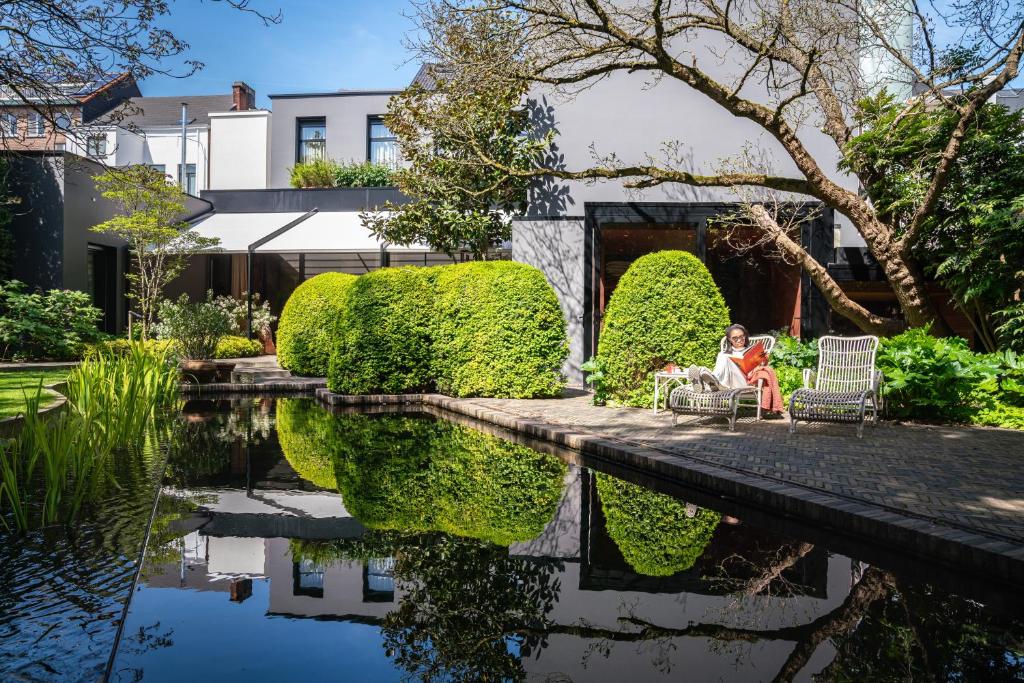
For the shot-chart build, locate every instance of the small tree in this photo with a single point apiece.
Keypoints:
(460, 203)
(150, 220)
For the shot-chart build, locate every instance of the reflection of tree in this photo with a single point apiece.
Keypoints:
(658, 535)
(207, 435)
(415, 473)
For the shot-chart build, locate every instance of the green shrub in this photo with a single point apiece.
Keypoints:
(57, 325)
(316, 173)
(933, 378)
(498, 331)
(305, 333)
(383, 337)
(231, 346)
(365, 174)
(195, 327)
(665, 309)
(653, 531)
(306, 434)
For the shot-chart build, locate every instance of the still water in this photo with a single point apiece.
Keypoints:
(293, 543)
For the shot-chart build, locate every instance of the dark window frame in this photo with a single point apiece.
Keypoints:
(370, 120)
(301, 122)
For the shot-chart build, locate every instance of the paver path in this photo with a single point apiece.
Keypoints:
(966, 477)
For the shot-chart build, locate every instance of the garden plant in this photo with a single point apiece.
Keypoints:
(304, 335)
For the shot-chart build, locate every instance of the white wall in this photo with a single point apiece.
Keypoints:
(240, 150)
(163, 146)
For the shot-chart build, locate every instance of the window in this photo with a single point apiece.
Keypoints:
(8, 124)
(160, 167)
(36, 125)
(96, 146)
(383, 147)
(307, 579)
(312, 139)
(63, 121)
(190, 177)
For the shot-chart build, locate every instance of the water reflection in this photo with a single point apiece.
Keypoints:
(453, 555)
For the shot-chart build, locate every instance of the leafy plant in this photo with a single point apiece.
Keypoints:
(595, 369)
(195, 327)
(231, 346)
(365, 174)
(308, 322)
(313, 174)
(238, 311)
(56, 325)
(665, 309)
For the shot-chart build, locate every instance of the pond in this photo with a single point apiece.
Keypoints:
(289, 541)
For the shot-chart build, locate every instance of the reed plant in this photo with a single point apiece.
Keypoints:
(58, 462)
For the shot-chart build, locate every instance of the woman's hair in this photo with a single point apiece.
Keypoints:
(732, 328)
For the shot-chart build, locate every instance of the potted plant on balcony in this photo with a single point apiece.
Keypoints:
(195, 328)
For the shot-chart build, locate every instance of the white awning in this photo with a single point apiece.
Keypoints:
(323, 232)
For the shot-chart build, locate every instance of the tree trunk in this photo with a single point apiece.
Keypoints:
(908, 283)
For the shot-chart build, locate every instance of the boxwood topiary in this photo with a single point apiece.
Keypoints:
(233, 346)
(653, 531)
(305, 431)
(665, 309)
(382, 342)
(305, 332)
(498, 331)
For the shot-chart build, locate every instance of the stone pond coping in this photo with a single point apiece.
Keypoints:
(905, 533)
(265, 386)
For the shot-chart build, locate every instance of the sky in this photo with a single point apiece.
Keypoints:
(319, 46)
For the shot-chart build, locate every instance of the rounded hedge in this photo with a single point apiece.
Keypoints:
(665, 309)
(306, 434)
(498, 332)
(233, 346)
(382, 341)
(305, 332)
(653, 531)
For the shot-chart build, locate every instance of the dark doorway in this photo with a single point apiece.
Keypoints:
(101, 283)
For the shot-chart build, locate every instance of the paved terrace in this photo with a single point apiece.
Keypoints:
(953, 493)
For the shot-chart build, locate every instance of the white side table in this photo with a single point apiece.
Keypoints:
(664, 382)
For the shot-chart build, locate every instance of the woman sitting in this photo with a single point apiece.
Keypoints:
(728, 375)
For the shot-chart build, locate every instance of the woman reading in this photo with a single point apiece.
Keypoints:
(733, 372)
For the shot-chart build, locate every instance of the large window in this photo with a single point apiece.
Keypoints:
(8, 124)
(36, 125)
(190, 177)
(96, 146)
(383, 147)
(312, 140)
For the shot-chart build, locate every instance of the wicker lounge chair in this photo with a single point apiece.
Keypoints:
(689, 400)
(845, 387)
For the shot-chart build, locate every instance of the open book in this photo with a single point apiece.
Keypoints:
(752, 357)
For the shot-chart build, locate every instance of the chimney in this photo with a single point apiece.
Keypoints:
(242, 96)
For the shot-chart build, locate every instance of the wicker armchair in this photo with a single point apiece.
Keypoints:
(688, 400)
(845, 387)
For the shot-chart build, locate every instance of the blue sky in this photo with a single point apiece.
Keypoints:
(320, 45)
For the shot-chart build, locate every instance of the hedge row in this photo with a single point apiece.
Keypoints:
(665, 309)
(304, 334)
(472, 329)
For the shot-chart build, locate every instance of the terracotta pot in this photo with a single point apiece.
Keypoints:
(198, 371)
(267, 337)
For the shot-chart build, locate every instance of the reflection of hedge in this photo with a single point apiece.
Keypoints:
(307, 323)
(666, 308)
(382, 340)
(417, 474)
(651, 529)
(498, 331)
(305, 432)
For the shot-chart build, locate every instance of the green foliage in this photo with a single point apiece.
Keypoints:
(414, 473)
(382, 343)
(195, 327)
(322, 173)
(789, 358)
(973, 241)
(595, 369)
(58, 463)
(654, 532)
(238, 312)
(150, 213)
(231, 346)
(461, 203)
(304, 336)
(57, 325)
(665, 309)
(932, 378)
(498, 331)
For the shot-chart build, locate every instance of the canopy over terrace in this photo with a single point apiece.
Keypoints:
(301, 233)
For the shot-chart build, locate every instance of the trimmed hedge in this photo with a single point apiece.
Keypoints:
(232, 346)
(665, 309)
(498, 332)
(652, 530)
(304, 335)
(305, 432)
(382, 342)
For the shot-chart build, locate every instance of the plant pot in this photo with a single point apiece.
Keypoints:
(198, 371)
(267, 337)
(224, 371)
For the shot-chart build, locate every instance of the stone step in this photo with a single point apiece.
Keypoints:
(257, 374)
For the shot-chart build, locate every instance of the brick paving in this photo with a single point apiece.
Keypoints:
(968, 478)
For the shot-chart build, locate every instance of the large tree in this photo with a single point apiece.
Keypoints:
(797, 66)
(45, 45)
